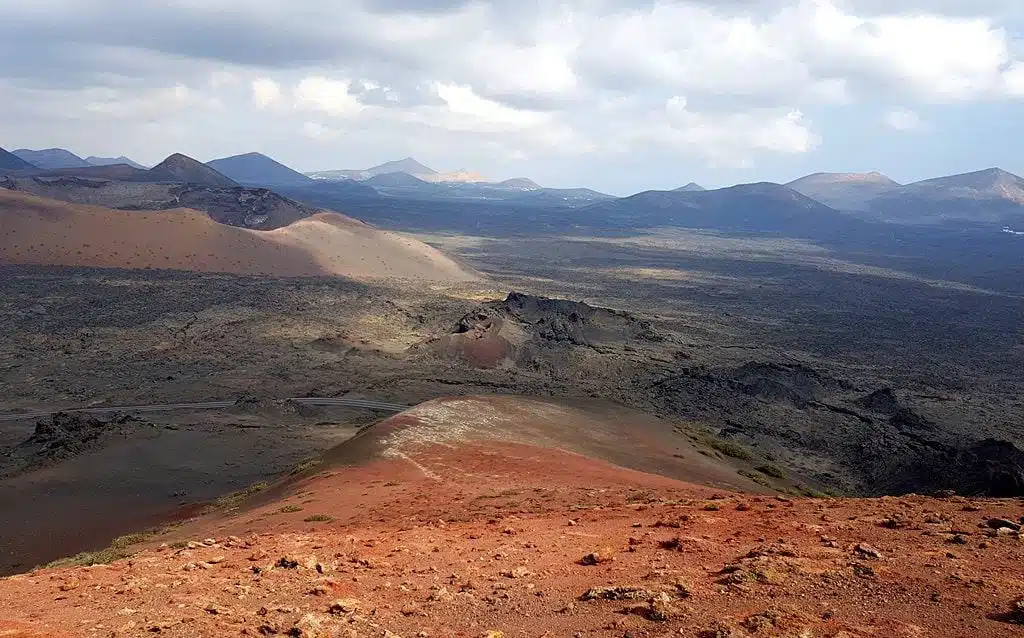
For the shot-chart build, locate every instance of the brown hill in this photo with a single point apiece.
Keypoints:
(257, 208)
(45, 231)
(844, 191)
(444, 522)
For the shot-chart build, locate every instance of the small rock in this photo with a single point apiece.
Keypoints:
(311, 626)
(518, 572)
(1016, 615)
(344, 606)
(764, 620)
(867, 551)
(69, 585)
(1002, 523)
(616, 593)
(216, 609)
(597, 558)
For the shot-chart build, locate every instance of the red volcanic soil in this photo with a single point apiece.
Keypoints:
(467, 534)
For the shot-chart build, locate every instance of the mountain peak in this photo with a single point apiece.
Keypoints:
(111, 161)
(256, 169)
(520, 183)
(984, 178)
(404, 165)
(692, 187)
(872, 177)
(844, 191)
(182, 168)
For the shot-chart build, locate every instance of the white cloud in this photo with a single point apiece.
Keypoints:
(731, 138)
(265, 92)
(469, 110)
(902, 120)
(149, 105)
(316, 131)
(329, 96)
(1014, 79)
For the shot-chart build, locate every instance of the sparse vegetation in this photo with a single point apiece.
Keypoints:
(318, 518)
(755, 477)
(772, 470)
(289, 509)
(805, 490)
(729, 448)
(119, 548)
(232, 500)
(306, 464)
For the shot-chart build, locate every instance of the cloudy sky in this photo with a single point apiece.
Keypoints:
(619, 95)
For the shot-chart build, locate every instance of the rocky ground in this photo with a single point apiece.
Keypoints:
(869, 418)
(488, 540)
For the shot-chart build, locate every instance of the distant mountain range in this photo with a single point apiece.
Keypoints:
(988, 197)
(58, 158)
(408, 166)
(51, 158)
(760, 207)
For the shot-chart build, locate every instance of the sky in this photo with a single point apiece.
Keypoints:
(617, 95)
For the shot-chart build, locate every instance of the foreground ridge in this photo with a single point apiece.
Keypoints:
(495, 538)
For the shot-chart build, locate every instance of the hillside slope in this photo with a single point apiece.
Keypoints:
(45, 231)
(256, 208)
(464, 518)
(10, 161)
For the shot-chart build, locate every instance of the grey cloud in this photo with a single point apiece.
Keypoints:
(246, 38)
(414, 6)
